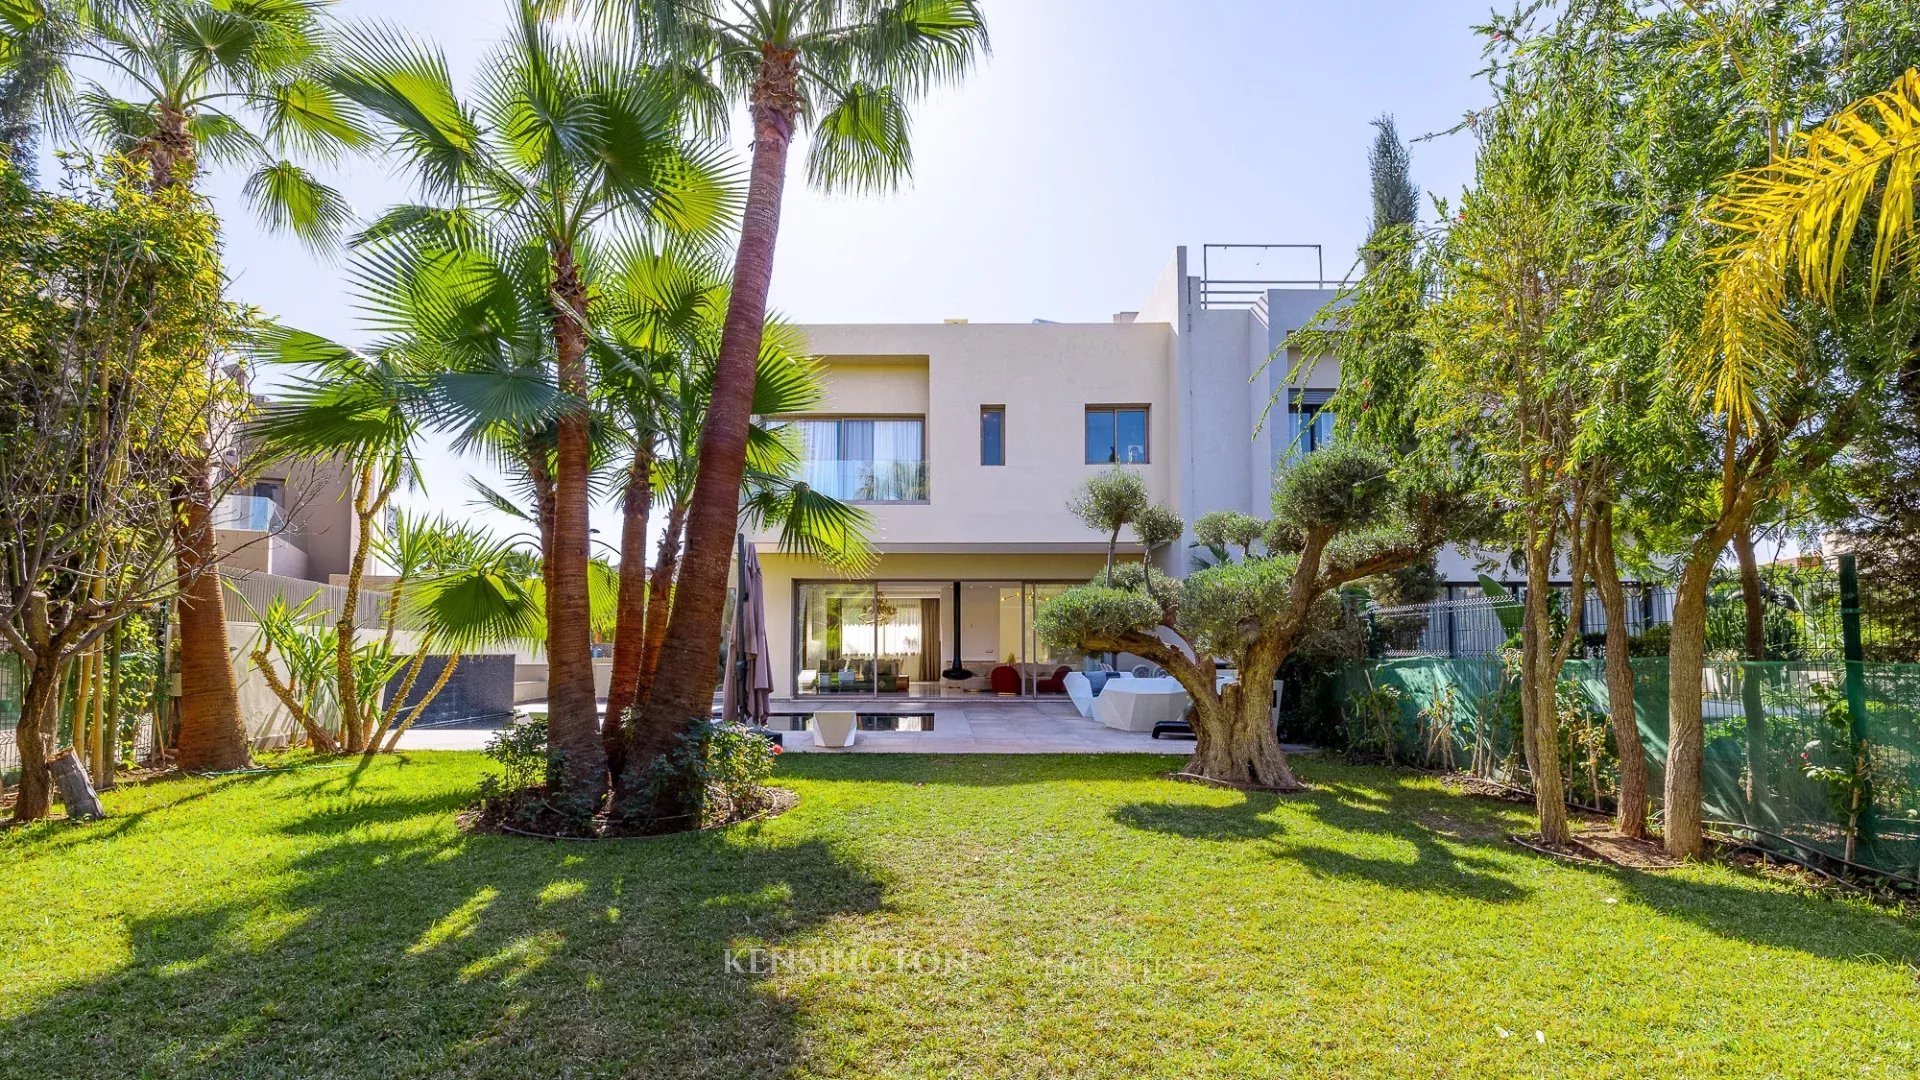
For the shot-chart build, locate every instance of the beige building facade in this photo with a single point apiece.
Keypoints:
(965, 441)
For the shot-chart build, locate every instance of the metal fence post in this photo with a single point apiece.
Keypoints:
(1854, 652)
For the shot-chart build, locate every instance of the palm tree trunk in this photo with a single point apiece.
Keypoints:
(660, 593)
(629, 630)
(577, 759)
(1630, 816)
(346, 686)
(689, 658)
(213, 735)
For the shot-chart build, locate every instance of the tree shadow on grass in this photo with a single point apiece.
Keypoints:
(1444, 860)
(432, 954)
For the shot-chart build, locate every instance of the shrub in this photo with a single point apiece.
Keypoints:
(521, 753)
(718, 769)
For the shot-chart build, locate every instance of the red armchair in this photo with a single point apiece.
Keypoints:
(1056, 683)
(1004, 679)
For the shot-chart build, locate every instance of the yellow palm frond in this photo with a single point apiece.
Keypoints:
(1796, 218)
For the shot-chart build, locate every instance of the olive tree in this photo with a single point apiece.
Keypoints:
(1339, 515)
(1108, 503)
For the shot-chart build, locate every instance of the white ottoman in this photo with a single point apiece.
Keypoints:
(834, 729)
(1138, 704)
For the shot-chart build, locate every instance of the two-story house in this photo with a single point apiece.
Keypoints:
(964, 442)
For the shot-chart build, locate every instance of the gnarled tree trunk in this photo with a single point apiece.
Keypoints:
(1686, 735)
(33, 797)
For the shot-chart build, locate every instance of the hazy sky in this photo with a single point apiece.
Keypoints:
(1056, 182)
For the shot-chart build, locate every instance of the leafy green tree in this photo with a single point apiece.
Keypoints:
(850, 69)
(566, 145)
(1396, 201)
(108, 297)
(1226, 529)
(657, 350)
(1346, 517)
(1108, 503)
(175, 84)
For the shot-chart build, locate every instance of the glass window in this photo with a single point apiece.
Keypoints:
(1310, 420)
(1116, 435)
(864, 460)
(993, 435)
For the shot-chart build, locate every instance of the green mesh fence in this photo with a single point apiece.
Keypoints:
(10, 691)
(1786, 755)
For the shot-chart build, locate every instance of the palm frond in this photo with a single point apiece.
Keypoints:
(862, 143)
(286, 196)
(1795, 220)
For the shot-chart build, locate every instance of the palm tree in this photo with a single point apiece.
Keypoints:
(849, 68)
(658, 347)
(563, 143)
(361, 411)
(229, 83)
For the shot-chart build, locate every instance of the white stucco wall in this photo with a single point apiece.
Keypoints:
(1045, 375)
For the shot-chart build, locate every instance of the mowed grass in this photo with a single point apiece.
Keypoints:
(919, 916)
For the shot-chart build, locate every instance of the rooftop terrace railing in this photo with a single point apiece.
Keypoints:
(1226, 293)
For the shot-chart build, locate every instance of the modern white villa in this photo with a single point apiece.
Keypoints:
(964, 442)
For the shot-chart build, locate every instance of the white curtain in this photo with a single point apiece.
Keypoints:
(898, 458)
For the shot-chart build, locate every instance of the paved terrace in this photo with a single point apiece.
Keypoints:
(968, 725)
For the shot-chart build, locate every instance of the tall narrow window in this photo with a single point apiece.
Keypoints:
(1116, 434)
(993, 434)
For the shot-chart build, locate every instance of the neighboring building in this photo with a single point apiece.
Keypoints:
(964, 442)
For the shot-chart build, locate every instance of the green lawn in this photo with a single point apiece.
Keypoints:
(937, 917)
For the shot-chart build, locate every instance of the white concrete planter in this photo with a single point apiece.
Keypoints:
(834, 729)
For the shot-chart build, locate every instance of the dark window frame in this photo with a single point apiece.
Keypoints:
(999, 445)
(1113, 451)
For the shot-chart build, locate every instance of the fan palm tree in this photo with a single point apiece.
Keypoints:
(658, 347)
(563, 143)
(469, 590)
(173, 83)
(362, 412)
(849, 68)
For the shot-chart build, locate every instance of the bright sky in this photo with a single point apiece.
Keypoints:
(1056, 182)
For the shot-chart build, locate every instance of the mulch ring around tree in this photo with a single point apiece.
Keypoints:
(527, 813)
(1601, 846)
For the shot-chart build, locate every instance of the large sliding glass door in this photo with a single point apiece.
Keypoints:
(896, 638)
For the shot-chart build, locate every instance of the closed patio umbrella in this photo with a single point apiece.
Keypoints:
(748, 693)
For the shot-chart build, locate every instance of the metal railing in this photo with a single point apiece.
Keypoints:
(1471, 627)
(252, 513)
(256, 591)
(1251, 292)
(869, 480)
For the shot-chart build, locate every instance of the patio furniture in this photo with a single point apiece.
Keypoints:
(1005, 679)
(834, 730)
(1053, 684)
(1139, 704)
(1148, 671)
(1173, 729)
(1083, 686)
